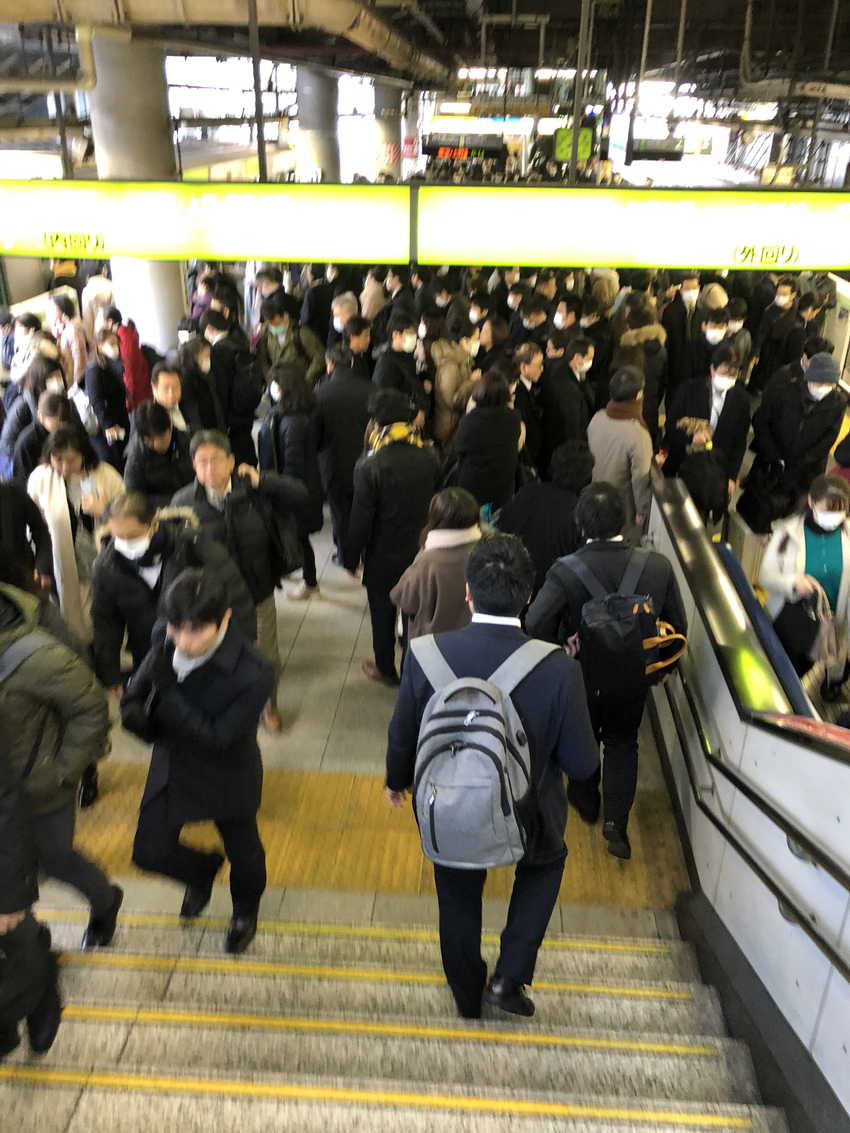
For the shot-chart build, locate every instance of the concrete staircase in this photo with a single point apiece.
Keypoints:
(334, 1027)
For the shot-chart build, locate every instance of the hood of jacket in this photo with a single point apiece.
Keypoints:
(19, 611)
(443, 351)
(653, 333)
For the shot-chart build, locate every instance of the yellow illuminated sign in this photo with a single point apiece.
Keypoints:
(761, 231)
(177, 221)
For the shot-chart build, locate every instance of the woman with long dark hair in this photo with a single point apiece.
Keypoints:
(104, 386)
(487, 442)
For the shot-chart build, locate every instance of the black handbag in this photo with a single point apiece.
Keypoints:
(284, 545)
(764, 500)
(797, 625)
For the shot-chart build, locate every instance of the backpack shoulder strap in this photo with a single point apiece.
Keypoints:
(634, 569)
(431, 661)
(585, 575)
(20, 650)
(520, 663)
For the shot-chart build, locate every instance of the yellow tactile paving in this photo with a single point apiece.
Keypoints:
(335, 831)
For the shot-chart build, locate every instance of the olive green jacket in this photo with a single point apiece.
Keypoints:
(54, 713)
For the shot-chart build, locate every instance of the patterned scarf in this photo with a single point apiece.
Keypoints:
(397, 433)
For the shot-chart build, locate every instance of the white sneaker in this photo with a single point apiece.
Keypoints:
(302, 592)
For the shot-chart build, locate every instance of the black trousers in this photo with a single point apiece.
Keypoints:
(615, 724)
(157, 849)
(340, 503)
(25, 970)
(383, 614)
(308, 571)
(53, 834)
(459, 892)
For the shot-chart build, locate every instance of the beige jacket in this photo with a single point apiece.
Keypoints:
(452, 386)
(372, 298)
(622, 454)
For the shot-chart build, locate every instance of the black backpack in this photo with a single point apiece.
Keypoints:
(249, 385)
(268, 454)
(620, 639)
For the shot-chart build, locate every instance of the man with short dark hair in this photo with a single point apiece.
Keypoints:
(395, 368)
(795, 371)
(283, 339)
(551, 703)
(357, 336)
(555, 615)
(318, 299)
(158, 461)
(715, 327)
(679, 321)
(622, 448)
(231, 368)
(397, 285)
(198, 696)
(70, 334)
(53, 409)
(168, 392)
(535, 321)
(566, 398)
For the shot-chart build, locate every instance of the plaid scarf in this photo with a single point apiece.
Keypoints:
(397, 433)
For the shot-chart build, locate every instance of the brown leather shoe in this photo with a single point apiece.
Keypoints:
(273, 721)
(374, 674)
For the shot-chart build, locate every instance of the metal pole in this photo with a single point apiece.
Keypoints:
(254, 41)
(827, 56)
(680, 44)
(643, 51)
(578, 88)
(67, 163)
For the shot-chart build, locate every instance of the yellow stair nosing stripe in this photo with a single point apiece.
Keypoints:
(235, 1088)
(378, 932)
(211, 965)
(171, 1018)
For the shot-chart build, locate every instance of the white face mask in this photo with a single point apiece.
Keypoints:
(409, 343)
(423, 330)
(274, 391)
(111, 352)
(55, 385)
(558, 321)
(689, 297)
(472, 348)
(570, 284)
(441, 301)
(528, 324)
(735, 325)
(513, 302)
(585, 366)
(828, 520)
(819, 392)
(782, 300)
(337, 324)
(330, 274)
(133, 548)
(723, 383)
(474, 315)
(204, 365)
(715, 335)
(584, 322)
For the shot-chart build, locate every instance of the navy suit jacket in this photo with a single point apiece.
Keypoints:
(551, 703)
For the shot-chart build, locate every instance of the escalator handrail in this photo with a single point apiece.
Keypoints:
(788, 906)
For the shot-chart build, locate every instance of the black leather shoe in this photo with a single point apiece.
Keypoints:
(197, 897)
(101, 928)
(618, 841)
(9, 1040)
(88, 787)
(43, 1022)
(588, 814)
(509, 996)
(241, 931)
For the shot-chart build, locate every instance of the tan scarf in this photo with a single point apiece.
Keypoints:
(626, 411)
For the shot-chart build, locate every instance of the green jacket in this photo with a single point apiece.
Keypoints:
(300, 346)
(51, 706)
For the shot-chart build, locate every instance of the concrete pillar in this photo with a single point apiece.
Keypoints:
(388, 123)
(317, 149)
(410, 141)
(133, 141)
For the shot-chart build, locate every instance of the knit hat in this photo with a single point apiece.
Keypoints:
(823, 368)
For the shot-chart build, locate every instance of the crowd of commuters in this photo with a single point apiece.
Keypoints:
(484, 441)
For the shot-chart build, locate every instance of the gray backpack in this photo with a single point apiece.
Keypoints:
(473, 766)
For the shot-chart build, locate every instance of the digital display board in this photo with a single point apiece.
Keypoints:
(756, 230)
(183, 220)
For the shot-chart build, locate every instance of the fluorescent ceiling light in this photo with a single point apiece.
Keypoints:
(455, 107)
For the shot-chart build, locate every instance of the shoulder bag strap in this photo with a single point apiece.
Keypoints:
(19, 651)
(433, 664)
(520, 663)
(585, 575)
(634, 570)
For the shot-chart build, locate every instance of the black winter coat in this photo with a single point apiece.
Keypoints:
(104, 386)
(396, 370)
(487, 450)
(18, 514)
(23, 412)
(527, 404)
(789, 426)
(342, 415)
(158, 474)
(730, 433)
(123, 602)
(543, 516)
(392, 491)
(316, 309)
(566, 405)
(551, 704)
(295, 445)
(204, 730)
(28, 450)
(243, 527)
(18, 863)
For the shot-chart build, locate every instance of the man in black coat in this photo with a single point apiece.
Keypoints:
(555, 615)
(318, 299)
(526, 391)
(551, 703)
(395, 368)
(23, 532)
(28, 971)
(230, 384)
(357, 336)
(401, 303)
(198, 696)
(342, 414)
(158, 459)
(393, 486)
(764, 344)
(239, 506)
(595, 326)
(566, 399)
(715, 325)
(763, 295)
(133, 571)
(720, 400)
(678, 319)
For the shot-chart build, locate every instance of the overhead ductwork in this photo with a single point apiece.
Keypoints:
(85, 78)
(348, 18)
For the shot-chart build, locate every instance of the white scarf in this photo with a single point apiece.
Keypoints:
(452, 537)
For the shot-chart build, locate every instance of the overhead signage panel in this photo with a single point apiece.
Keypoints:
(754, 230)
(181, 220)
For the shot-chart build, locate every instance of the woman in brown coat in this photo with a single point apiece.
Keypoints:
(432, 591)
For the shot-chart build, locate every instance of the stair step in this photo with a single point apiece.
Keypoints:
(412, 949)
(587, 1064)
(126, 1101)
(106, 977)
